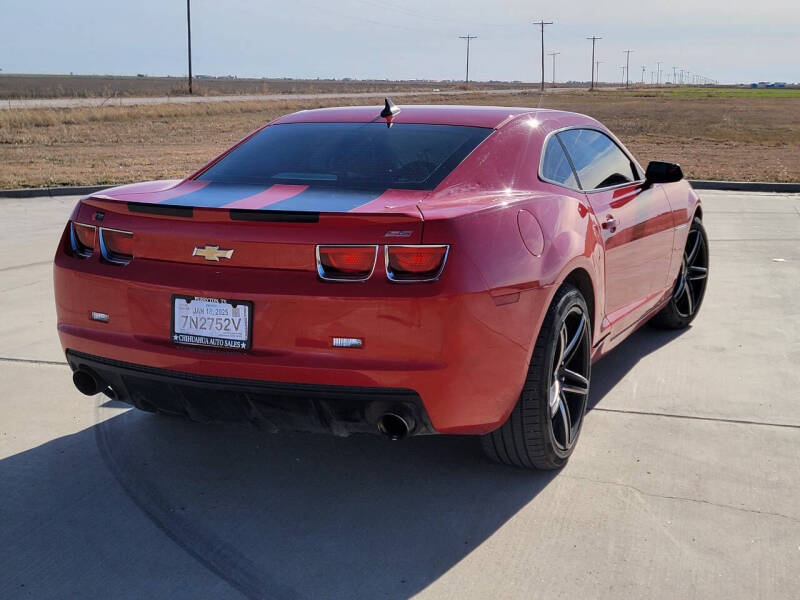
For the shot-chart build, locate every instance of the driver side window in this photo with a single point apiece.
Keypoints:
(598, 161)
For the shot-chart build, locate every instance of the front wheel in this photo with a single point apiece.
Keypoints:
(544, 426)
(690, 287)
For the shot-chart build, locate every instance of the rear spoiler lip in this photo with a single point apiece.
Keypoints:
(401, 213)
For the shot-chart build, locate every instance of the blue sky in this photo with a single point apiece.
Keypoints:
(725, 40)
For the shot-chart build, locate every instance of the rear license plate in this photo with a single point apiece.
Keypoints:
(213, 322)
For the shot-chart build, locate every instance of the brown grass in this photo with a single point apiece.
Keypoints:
(747, 138)
(108, 86)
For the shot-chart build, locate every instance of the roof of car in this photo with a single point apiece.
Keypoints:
(473, 116)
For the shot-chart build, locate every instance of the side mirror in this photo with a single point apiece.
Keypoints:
(663, 172)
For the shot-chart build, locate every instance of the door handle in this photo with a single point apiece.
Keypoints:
(610, 223)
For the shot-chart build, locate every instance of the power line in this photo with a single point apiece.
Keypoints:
(554, 54)
(622, 68)
(189, 40)
(644, 68)
(468, 38)
(658, 73)
(542, 24)
(628, 67)
(594, 38)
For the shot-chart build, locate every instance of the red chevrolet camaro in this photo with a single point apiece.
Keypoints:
(409, 271)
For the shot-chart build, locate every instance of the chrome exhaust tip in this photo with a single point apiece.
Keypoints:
(394, 426)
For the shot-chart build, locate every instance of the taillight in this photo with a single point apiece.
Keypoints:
(346, 263)
(415, 263)
(81, 239)
(116, 246)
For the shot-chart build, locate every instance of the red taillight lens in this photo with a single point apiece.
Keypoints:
(81, 239)
(415, 263)
(116, 246)
(346, 263)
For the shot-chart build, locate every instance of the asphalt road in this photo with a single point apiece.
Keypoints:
(685, 483)
(132, 100)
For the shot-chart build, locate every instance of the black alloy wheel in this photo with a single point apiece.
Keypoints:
(569, 388)
(544, 426)
(690, 287)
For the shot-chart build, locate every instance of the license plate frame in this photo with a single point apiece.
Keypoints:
(203, 340)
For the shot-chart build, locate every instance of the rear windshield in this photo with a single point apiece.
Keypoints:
(349, 155)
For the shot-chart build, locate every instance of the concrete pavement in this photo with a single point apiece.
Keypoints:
(684, 484)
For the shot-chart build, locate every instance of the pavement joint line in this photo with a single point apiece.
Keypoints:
(33, 361)
(680, 498)
(754, 240)
(35, 264)
(597, 408)
(645, 413)
(751, 212)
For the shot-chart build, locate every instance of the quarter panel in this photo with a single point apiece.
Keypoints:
(489, 243)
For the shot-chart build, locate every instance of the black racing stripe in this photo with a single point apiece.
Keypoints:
(274, 216)
(215, 195)
(160, 209)
(320, 199)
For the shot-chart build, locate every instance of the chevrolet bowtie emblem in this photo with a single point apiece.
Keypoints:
(212, 253)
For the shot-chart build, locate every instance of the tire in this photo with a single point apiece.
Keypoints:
(690, 285)
(546, 412)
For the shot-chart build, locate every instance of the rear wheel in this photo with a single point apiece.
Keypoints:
(691, 284)
(544, 426)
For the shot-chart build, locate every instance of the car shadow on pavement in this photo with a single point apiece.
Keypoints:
(610, 370)
(274, 515)
(139, 504)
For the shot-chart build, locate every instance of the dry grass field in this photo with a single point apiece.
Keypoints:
(747, 135)
(109, 86)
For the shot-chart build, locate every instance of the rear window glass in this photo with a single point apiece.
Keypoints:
(349, 155)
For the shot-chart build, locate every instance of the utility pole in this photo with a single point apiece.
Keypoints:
(622, 68)
(674, 75)
(468, 38)
(658, 73)
(627, 67)
(542, 24)
(597, 74)
(644, 68)
(554, 54)
(681, 76)
(189, 38)
(594, 38)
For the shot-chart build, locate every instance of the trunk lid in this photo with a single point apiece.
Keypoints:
(273, 228)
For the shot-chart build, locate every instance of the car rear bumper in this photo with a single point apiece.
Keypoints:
(340, 410)
(463, 355)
